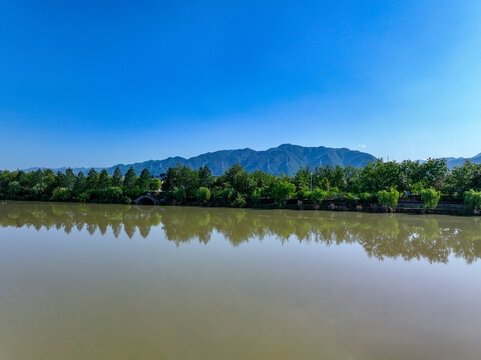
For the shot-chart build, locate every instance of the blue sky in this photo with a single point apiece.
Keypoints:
(96, 83)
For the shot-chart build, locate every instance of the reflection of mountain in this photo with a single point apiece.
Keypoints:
(381, 235)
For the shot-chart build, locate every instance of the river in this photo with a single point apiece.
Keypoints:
(92, 281)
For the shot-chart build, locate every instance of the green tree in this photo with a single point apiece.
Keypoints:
(203, 194)
(80, 183)
(182, 177)
(38, 190)
(69, 179)
(239, 201)
(379, 175)
(144, 179)
(239, 179)
(256, 196)
(60, 179)
(14, 189)
(130, 179)
(473, 199)
(38, 176)
(60, 194)
(463, 178)
(434, 173)
(282, 190)
(179, 194)
(104, 180)
(117, 178)
(430, 198)
(388, 198)
(205, 177)
(155, 185)
(317, 195)
(112, 194)
(226, 194)
(302, 179)
(92, 179)
(417, 188)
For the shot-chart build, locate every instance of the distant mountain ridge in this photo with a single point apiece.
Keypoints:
(285, 159)
(452, 162)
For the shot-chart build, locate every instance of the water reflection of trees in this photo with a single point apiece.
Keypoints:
(381, 236)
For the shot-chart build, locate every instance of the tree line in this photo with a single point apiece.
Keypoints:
(379, 181)
(96, 186)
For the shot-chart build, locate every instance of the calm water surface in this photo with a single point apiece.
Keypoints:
(127, 282)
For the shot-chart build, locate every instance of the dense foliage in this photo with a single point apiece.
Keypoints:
(473, 199)
(388, 198)
(430, 198)
(95, 187)
(378, 181)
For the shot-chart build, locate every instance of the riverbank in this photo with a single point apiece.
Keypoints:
(409, 205)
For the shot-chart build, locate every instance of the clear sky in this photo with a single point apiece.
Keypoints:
(96, 83)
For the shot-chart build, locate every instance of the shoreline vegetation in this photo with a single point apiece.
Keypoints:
(408, 186)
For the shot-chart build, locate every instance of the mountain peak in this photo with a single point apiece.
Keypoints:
(285, 158)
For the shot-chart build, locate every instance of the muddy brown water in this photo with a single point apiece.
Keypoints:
(142, 282)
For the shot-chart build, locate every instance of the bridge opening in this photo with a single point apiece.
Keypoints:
(145, 201)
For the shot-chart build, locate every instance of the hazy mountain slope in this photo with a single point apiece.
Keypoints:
(452, 162)
(285, 158)
(282, 159)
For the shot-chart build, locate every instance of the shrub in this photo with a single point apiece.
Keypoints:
(38, 190)
(60, 194)
(351, 198)
(334, 191)
(256, 196)
(307, 195)
(203, 194)
(473, 199)
(112, 194)
(318, 195)
(179, 194)
(82, 197)
(125, 200)
(282, 190)
(134, 192)
(430, 197)
(227, 194)
(155, 185)
(388, 198)
(300, 195)
(417, 189)
(239, 201)
(365, 196)
(14, 189)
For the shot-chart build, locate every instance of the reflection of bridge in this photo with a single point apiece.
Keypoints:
(148, 199)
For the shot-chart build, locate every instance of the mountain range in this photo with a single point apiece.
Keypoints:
(452, 161)
(284, 159)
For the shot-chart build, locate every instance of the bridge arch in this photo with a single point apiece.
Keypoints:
(146, 200)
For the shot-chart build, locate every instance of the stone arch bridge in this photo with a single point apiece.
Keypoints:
(149, 199)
